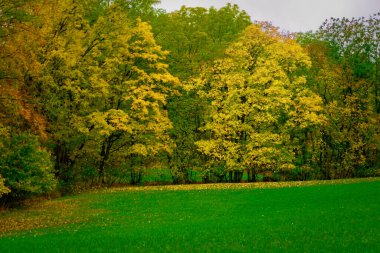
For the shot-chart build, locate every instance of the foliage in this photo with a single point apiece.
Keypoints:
(3, 188)
(194, 37)
(113, 89)
(25, 166)
(143, 9)
(257, 99)
(109, 82)
(345, 74)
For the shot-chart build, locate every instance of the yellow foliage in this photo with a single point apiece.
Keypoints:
(250, 91)
(106, 83)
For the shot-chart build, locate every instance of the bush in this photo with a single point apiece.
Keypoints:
(25, 166)
(3, 189)
(259, 177)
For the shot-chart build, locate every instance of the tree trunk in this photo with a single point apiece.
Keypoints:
(104, 154)
(253, 174)
(63, 163)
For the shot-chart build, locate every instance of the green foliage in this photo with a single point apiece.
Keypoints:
(345, 74)
(143, 9)
(186, 113)
(260, 177)
(26, 167)
(196, 36)
(3, 188)
(12, 12)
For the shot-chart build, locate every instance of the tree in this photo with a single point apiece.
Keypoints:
(257, 97)
(355, 45)
(19, 39)
(194, 37)
(133, 121)
(109, 82)
(139, 9)
(344, 54)
(25, 167)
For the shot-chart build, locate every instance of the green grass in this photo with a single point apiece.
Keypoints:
(341, 216)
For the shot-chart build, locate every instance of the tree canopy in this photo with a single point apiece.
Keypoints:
(103, 92)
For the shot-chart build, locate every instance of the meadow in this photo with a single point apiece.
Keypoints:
(313, 216)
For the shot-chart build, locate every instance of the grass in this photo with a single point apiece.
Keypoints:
(321, 216)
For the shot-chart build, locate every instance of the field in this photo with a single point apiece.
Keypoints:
(319, 216)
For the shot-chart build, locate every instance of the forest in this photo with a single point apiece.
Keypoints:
(98, 92)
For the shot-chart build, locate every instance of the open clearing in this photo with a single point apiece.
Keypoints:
(317, 216)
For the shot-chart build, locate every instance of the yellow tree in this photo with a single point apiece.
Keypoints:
(256, 96)
(108, 82)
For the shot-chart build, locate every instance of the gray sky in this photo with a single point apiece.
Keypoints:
(291, 15)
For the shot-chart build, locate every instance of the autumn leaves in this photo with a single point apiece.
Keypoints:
(95, 88)
(257, 98)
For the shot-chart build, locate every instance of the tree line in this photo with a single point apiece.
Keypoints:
(102, 92)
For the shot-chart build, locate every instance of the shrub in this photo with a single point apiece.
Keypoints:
(3, 189)
(260, 177)
(25, 166)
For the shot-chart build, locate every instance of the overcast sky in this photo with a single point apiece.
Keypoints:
(290, 15)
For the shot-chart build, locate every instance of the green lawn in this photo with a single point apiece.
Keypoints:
(342, 216)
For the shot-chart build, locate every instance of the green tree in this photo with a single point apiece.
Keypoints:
(139, 9)
(344, 54)
(194, 37)
(355, 46)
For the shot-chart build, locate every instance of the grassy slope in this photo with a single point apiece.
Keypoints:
(319, 218)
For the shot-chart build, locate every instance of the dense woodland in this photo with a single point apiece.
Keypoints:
(99, 92)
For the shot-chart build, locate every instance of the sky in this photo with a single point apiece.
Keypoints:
(289, 15)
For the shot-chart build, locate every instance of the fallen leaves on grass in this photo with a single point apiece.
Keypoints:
(62, 212)
(237, 186)
(51, 213)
